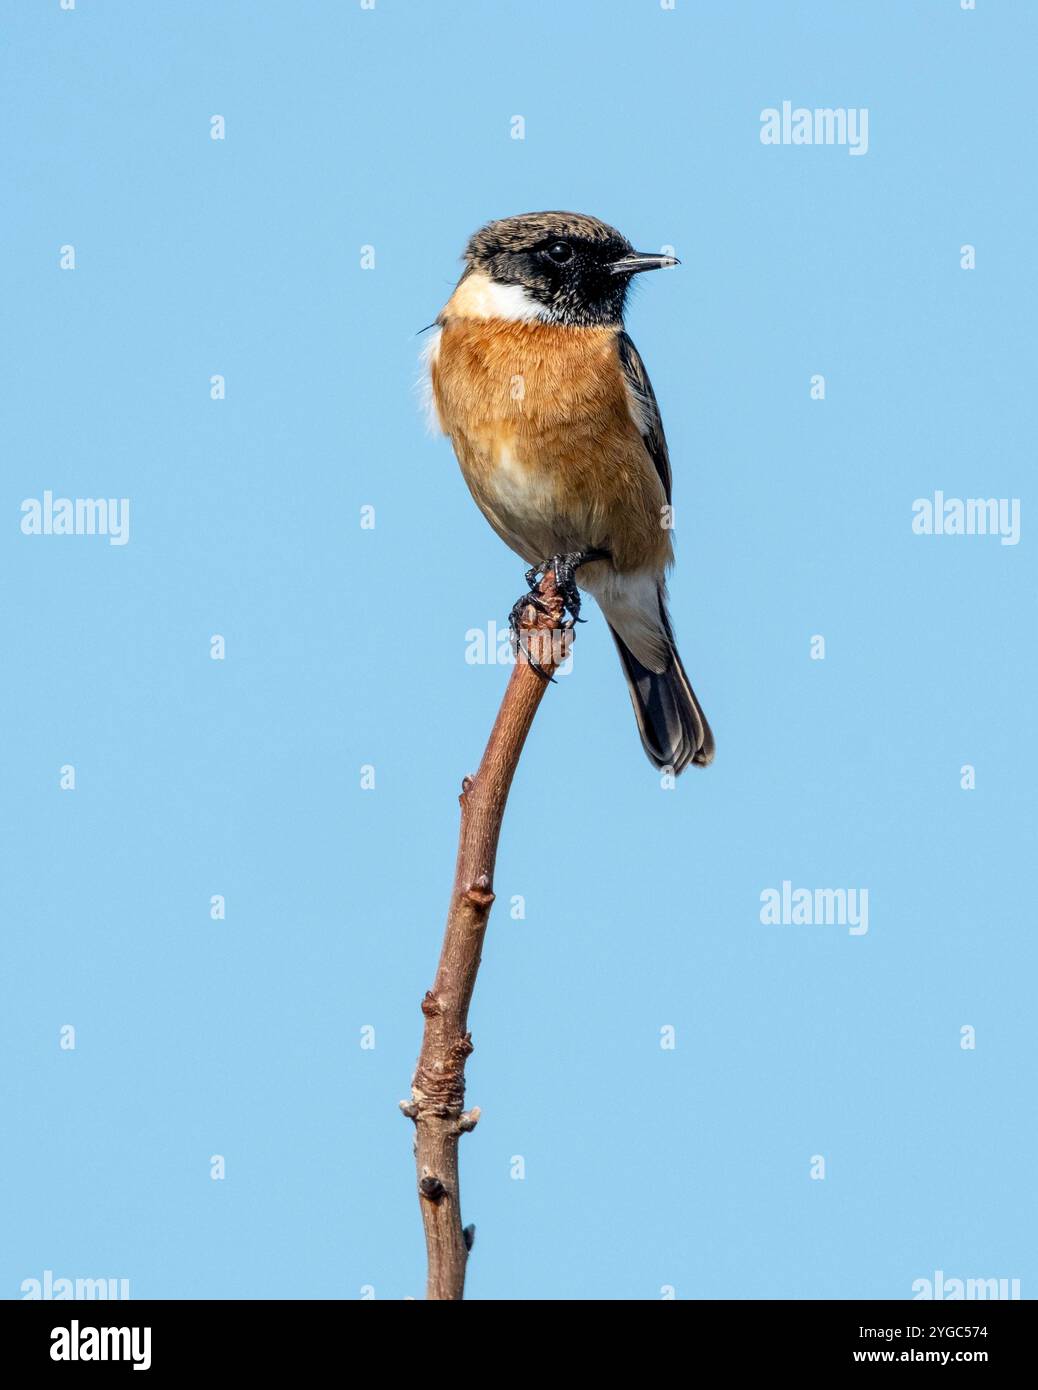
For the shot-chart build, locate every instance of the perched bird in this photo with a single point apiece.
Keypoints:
(558, 434)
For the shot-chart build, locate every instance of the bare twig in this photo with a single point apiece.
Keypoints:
(438, 1088)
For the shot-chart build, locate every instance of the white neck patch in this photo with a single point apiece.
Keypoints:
(479, 297)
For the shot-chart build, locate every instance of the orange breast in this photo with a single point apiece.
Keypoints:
(539, 417)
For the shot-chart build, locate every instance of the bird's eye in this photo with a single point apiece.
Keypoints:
(560, 252)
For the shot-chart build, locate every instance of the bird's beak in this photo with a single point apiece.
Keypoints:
(641, 260)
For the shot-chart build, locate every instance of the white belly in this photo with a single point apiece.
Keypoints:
(521, 503)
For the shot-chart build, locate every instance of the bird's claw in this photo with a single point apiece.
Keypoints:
(564, 569)
(515, 623)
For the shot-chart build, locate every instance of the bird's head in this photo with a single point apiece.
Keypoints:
(563, 267)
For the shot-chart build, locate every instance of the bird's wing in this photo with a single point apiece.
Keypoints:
(645, 411)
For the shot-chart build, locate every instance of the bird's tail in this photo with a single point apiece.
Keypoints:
(673, 727)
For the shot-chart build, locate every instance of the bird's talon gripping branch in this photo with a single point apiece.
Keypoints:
(515, 623)
(536, 667)
(519, 607)
(565, 568)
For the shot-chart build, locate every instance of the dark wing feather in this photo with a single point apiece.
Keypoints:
(651, 426)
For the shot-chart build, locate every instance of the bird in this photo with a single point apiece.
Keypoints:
(558, 434)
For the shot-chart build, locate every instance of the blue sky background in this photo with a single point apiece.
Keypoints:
(645, 1168)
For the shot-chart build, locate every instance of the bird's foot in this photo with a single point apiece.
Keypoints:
(565, 567)
(515, 623)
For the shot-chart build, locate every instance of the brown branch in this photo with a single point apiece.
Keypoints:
(438, 1088)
